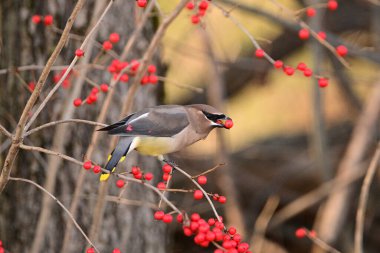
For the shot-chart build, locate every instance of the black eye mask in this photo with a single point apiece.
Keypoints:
(214, 117)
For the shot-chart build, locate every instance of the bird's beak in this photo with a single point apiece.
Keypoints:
(226, 123)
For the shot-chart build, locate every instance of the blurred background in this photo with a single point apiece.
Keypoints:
(296, 156)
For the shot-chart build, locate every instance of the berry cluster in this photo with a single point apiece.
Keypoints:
(113, 39)
(201, 11)
(88, 165)
(139, 174)
(167, 170)
(92, 97)
(208, 232)
(48, 19)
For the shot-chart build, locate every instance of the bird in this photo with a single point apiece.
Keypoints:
(162, 129)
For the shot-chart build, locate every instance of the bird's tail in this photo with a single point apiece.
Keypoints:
(117, 155)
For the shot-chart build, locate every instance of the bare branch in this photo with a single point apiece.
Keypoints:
(51, 152)
(358, 248)
(53, 123)
(61, 205)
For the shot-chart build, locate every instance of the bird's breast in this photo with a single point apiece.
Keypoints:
(156, 145)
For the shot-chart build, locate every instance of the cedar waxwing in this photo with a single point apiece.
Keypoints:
(161, 130)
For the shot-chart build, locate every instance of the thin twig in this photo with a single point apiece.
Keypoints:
(262, 222)
(51, 152)
(53, 123)
(61, 205)
(209, 170)
(5, 131)
(180, 85)
(322, 244)
(200, 188)
(358, 247)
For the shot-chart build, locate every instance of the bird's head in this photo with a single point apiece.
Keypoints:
(219, 120)
(214, 117)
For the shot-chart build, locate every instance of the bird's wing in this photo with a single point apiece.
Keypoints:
(162, 121)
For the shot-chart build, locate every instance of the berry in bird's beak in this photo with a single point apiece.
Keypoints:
(228, 123)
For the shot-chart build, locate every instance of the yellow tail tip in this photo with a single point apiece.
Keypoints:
(104, 177)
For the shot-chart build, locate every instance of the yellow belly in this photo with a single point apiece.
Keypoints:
(156, 146)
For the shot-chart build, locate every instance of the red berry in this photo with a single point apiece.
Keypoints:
(210, 236)
(138, 175)
(198, 194)
(232, 230)
(308, 72)
(135, 65)
(135, 170)
(124, 78)
(90, 250)
(104, 87)
(229, 124)
(195, 19)
(144, 80)
(218, 251)
(31, 86)
(323, 82)
(202, 179)
(36, 19)
(310, 12)
(187, 231)
(161, 186)
(300, 233)
(48, 20)
(211, 221)
(242, 247)
(313, 234)
(259, 53)
(167, 168)
(237, 238)
(148, 176)
(322, 35)
(158, 215)
(180, 218)
(190, 5)
(114, 37)
(107, 45)
(278, 64)
(153, 79)
(303, 34)
(116, 250)
(332, 5)
(222, 199)
(152, 69)
(77, 102)
(195, 217)
(120, 183)
(141, 3)
(341, 50)
(96, 169)
(167, 218)
(203, 5)
(92, 98)
(94, 90)
(301, 66)
(289, 71)
(165, 176)
(87, 165)
(79, 52)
